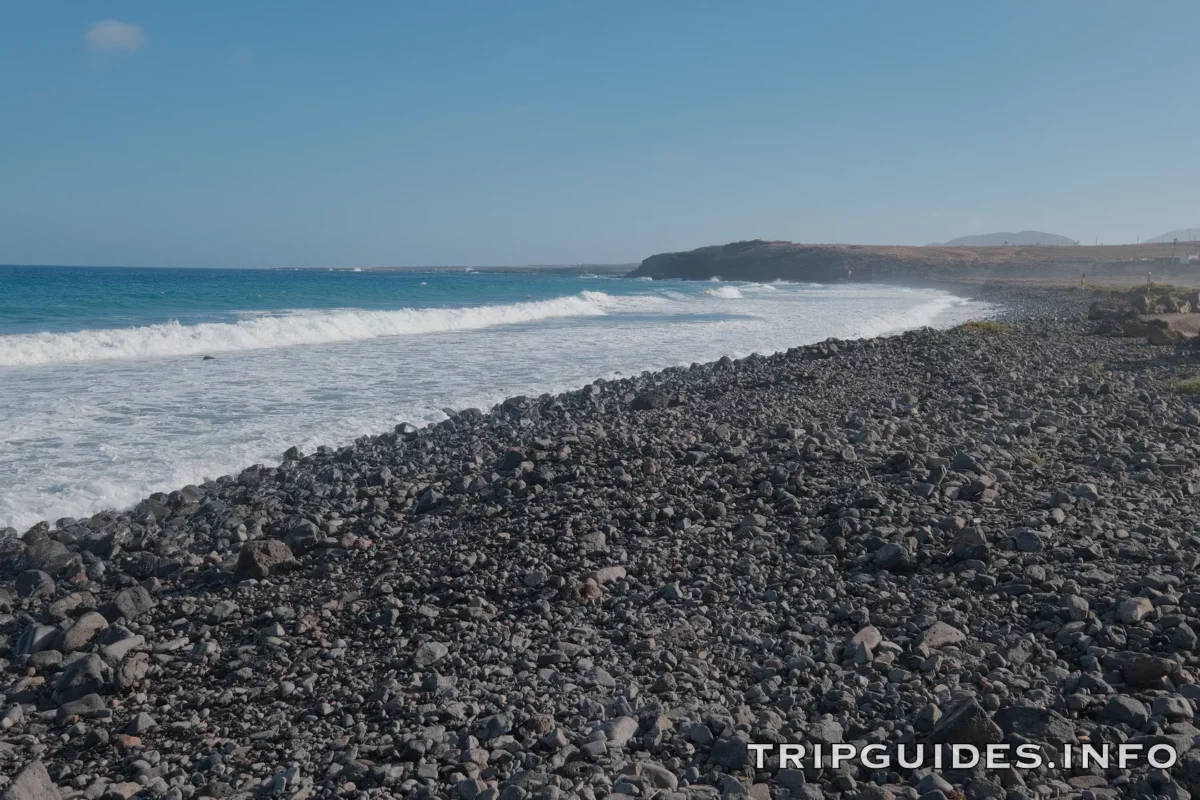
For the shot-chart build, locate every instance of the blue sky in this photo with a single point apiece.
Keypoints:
(315, 134)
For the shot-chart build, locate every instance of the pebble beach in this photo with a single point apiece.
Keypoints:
(981, 534)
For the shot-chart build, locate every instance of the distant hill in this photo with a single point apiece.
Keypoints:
(1001, 239)
(759, 260)
(1183, 235)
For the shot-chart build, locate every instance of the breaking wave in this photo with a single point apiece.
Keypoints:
(297, 328)
(918, 316)
(725, 293)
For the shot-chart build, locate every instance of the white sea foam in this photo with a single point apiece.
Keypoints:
(85, 425)
(725, 293)
(293, 328)
(918, 316)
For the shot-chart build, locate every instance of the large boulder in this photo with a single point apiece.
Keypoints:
(428, 501)
(34, 583)
(939, 634)
(510, 460)
(264, 558)
(1108, 312)
(966, 723)
(34, 639)
(430, 654)
(130, 603)
(1125, 709)
(649, 401)
(303, 536)
(1145, 304)
(1159, 330)
(47, 555)
(82, 632)
(86, 675)
(1041, 724)
(1164, 335)
(131, 671)
(1143, 670)
(86, 707)
(32, 783)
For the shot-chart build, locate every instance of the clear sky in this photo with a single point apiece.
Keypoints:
(370, 133)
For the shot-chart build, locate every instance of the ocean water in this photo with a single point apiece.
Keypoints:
(105, 395)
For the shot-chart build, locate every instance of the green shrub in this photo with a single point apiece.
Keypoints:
(988, 326)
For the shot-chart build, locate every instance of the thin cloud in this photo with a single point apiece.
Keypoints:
(113, 36)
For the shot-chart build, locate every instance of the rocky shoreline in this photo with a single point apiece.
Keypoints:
(983, 534)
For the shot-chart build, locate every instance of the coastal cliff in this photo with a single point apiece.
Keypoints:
(760, 260)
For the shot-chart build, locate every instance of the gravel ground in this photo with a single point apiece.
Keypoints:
(965, 535)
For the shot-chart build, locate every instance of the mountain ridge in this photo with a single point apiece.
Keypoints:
(1003, 238)
(1182, 234)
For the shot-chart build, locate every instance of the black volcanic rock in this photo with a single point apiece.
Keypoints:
(566, 598)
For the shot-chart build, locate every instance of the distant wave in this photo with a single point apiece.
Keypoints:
(725, 293)
(295, 328)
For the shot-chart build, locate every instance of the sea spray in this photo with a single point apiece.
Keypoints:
(90, 426)
(725, 293)
(296, 328)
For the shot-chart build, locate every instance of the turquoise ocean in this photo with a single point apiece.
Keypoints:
(106, 395)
